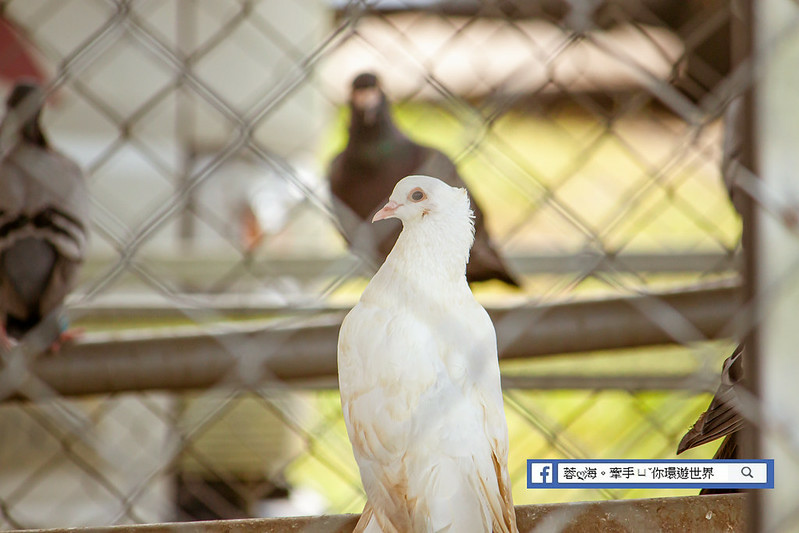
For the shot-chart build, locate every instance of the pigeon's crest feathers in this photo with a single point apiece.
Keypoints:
(438, 228)
(415, 198)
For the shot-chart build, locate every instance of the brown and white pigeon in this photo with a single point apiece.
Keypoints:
(44, 208)
(419, 378)
(376, 157)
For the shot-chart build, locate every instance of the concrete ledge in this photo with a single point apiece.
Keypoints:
(705, 514)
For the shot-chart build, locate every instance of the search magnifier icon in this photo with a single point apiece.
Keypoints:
(746, 471)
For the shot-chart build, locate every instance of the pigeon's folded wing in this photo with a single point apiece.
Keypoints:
(43, 223)
(488, 397)
(50, 190)
(723, 416)
(463, 431)
(382, 372)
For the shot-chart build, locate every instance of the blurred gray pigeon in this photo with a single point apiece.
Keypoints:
(44, 207)
(377, 156)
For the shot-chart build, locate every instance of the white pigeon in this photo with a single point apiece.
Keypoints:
(419, 378)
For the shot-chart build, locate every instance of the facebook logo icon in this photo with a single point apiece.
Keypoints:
(540, 473)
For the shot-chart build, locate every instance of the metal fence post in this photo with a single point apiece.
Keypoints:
(777, 246)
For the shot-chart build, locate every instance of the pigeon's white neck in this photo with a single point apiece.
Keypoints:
(430, 254)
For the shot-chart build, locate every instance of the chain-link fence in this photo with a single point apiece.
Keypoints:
(203, 386)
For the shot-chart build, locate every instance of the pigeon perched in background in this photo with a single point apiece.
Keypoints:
(43, 219)
(268, 202)
(377, 155)
(419, 378)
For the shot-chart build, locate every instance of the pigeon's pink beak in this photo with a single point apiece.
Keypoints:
(387, 212)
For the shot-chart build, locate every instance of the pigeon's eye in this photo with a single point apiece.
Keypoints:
(417, 195)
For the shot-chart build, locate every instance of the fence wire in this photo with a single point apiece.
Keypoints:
(203, 386)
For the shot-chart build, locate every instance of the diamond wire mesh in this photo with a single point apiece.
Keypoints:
(588, 133)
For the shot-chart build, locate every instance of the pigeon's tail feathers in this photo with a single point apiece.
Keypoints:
(28, 266)
(456, 500)
(485, 271)
(487, 264)
(506, 277)
(505, 520)
(34, 283)
(467, 502)
(367, 523)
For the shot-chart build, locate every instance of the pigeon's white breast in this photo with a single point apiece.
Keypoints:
(387, 360)
(408, 389)
(403, 384)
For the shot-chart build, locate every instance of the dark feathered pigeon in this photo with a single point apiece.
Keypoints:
(723, 417)
(377, 156)
(43, 218)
